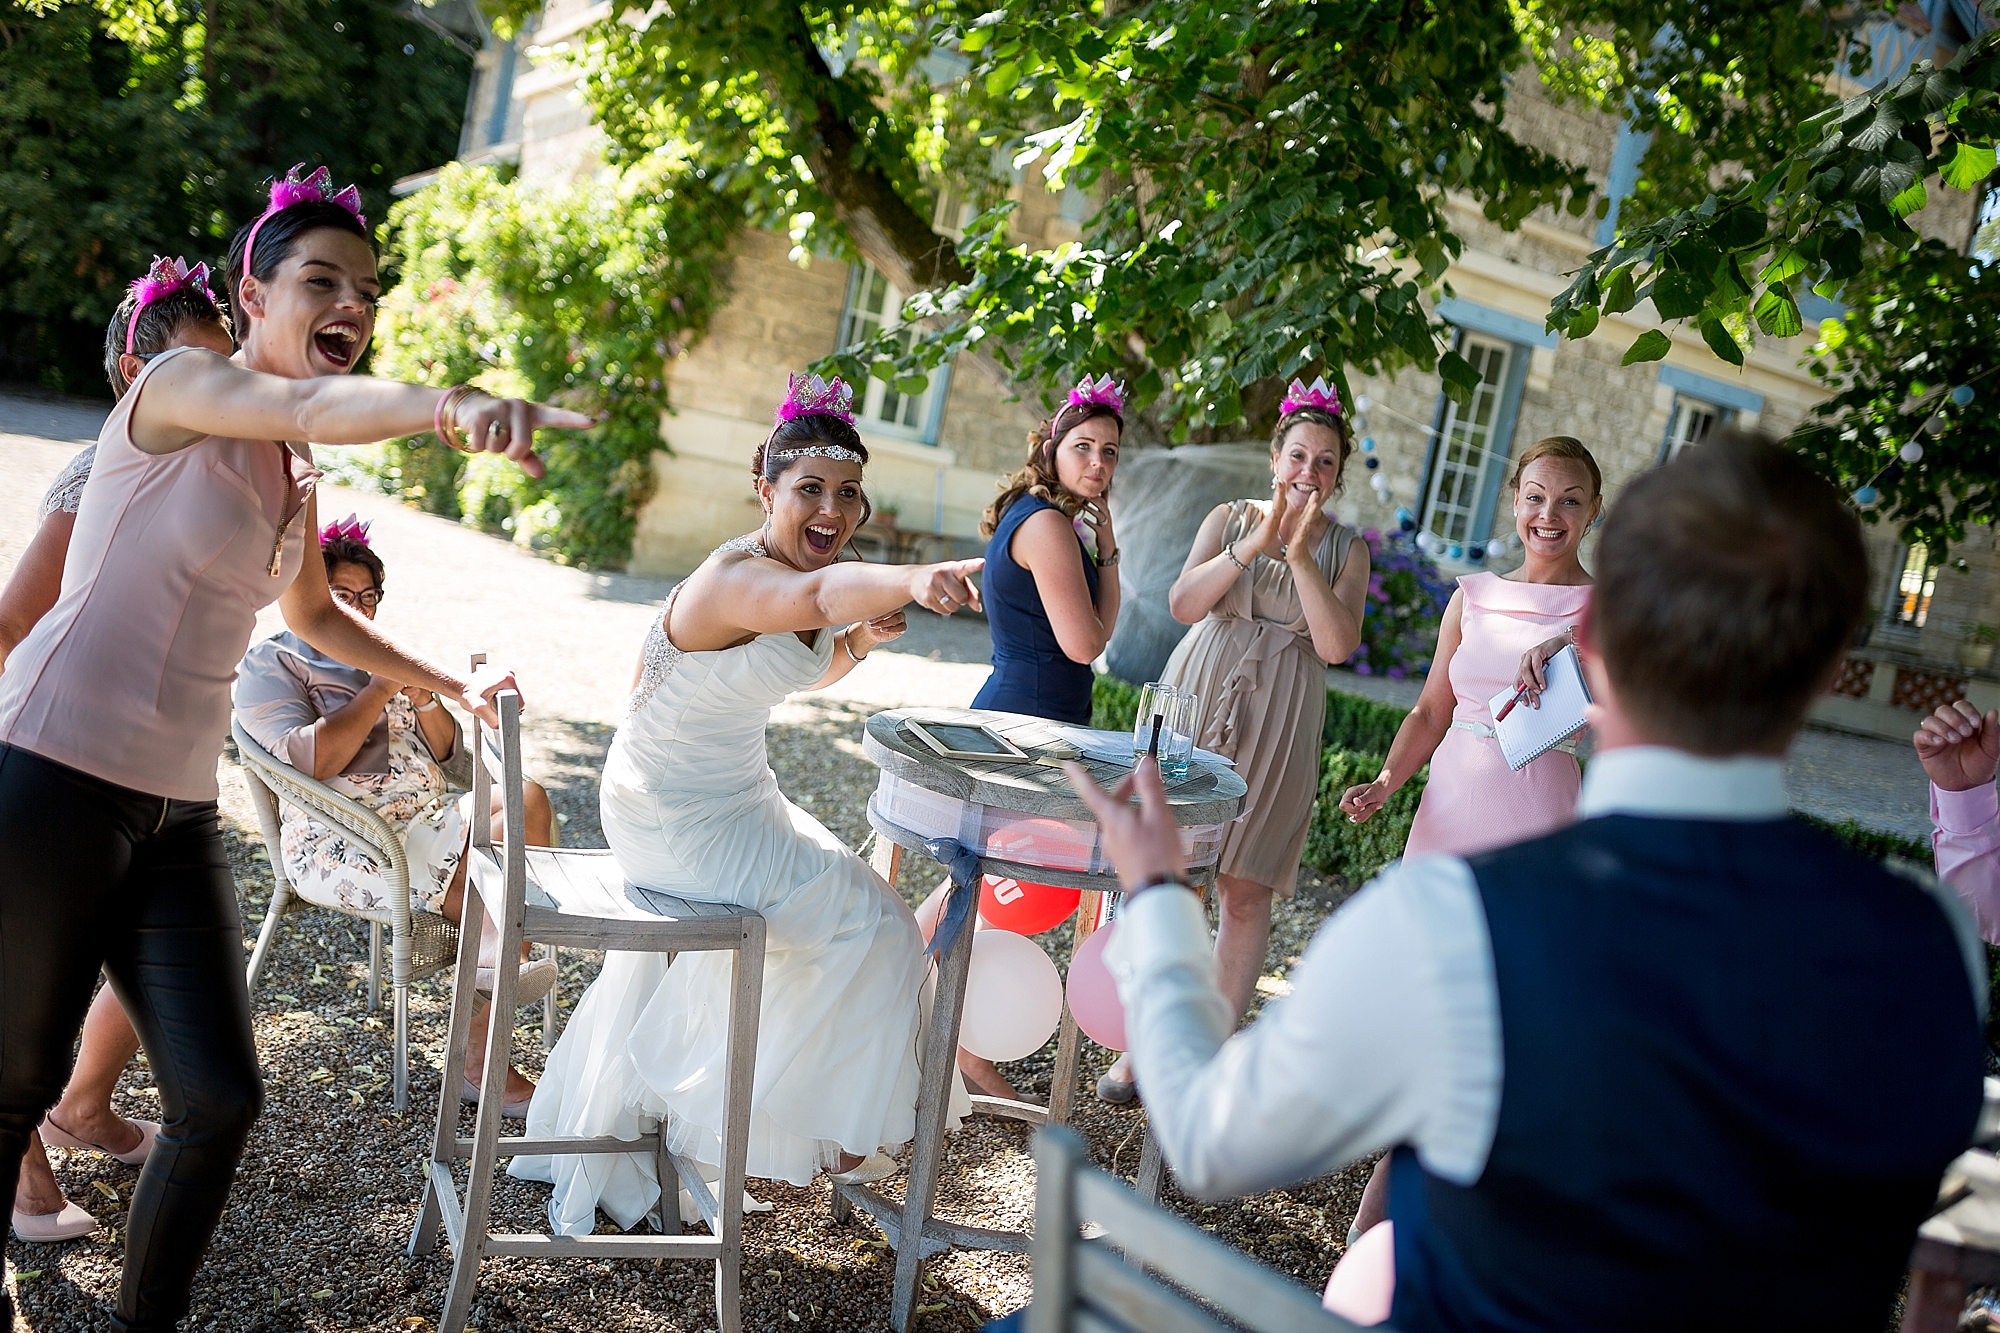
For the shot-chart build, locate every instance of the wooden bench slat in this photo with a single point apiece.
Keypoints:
(1253, 1295)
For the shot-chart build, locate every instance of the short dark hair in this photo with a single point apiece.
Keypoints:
(1728, 584)
(347, 551)
(279, 236)
(159, 324)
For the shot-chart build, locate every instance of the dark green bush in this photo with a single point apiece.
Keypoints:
(1873, 843)
(1355, 723)
(1114, 703)
(1356, 851)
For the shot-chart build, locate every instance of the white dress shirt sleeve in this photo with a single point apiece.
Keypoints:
(1965, 837)
(1391, 1035)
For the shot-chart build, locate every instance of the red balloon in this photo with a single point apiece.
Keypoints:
(1093, 996)
(1025, 909)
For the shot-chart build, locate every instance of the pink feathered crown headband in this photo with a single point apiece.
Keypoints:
(1317, 394)
(808, 396)
(350, 529)
(1100, 392)
(314, 189)
(164, 278)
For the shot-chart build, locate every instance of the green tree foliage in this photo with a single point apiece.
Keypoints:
(1931, 325)
(577, 294)
(133, 130)
(1271, 186)
(1828, 209)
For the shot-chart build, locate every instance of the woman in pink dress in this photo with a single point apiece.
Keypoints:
(1498, 630)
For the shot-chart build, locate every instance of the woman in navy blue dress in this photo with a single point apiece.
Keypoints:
(1052, 601)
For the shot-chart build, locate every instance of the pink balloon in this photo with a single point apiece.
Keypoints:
(1093, 996)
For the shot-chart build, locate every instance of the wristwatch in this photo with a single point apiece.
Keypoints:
(1107, 561)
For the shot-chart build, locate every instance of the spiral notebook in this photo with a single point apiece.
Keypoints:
(1527, 733)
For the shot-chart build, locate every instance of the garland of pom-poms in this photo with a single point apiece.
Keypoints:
(1430, 543)
(1869, 493)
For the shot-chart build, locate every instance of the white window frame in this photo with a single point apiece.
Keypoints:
(873, 305)
(1468, 450)
(1691, 421)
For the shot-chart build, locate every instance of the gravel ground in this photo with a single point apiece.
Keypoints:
(314, 1235)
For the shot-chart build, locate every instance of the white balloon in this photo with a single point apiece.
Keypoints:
(1013, 997)
(1910, 452)
(1362, 403)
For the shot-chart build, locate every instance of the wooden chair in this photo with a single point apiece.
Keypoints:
(1107, 1284)
(580, 900)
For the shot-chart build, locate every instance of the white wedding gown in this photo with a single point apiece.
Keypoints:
(690, 806)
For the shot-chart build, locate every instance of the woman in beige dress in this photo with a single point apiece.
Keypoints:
(1278, 591)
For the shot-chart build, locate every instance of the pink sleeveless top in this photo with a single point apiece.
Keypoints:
(127, 677)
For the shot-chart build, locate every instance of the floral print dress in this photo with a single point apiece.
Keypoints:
(283, 687)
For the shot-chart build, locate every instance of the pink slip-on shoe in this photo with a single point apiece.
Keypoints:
(47, 1228)
(55, 1136)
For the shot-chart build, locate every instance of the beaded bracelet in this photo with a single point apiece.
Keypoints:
(442, 423)
(1230, 551)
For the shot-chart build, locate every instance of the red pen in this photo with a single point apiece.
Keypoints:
(1508, 707)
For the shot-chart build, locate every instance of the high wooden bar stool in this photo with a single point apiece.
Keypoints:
(578, 899)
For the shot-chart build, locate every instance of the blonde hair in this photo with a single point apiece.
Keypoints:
(1037, 476)
(1559, 446)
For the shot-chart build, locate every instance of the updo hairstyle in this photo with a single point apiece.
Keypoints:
(803, 432)
(1560, 446)
(347, 551)
(1037, 476)
(1317, 416)
(159, 323)
(279, 237)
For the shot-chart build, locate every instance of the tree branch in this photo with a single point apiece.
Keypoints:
(885, 228)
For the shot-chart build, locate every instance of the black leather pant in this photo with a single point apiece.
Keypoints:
(96, 874)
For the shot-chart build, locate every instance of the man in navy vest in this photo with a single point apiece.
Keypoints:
(1686, 1064)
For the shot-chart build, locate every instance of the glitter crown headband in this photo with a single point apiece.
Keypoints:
(809, 395)
(350, 529)
(314, 189)
(164, 278)
(1088, 393)
(1317, 394)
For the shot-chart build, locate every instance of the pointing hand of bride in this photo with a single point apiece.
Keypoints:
(946, 587)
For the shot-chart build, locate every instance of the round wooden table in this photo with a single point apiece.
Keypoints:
(1208, 795)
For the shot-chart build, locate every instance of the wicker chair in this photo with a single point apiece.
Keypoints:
(420, 943)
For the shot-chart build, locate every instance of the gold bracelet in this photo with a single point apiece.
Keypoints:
(443, 422)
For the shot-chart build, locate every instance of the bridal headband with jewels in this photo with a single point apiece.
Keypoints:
(1103, 391)
(350, 529)
(809, 396)
(1317, 394)
(166, 277)
(290, 189)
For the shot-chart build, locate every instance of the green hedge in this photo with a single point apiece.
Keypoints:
(1114, 704)
(1334, 846)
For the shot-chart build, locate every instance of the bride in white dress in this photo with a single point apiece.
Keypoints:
(690, 806)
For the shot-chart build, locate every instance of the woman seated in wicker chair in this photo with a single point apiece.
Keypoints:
(385, 745)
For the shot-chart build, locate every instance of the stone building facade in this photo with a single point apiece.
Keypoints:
(936, 460)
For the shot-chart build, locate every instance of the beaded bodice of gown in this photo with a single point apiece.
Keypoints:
(695, 723)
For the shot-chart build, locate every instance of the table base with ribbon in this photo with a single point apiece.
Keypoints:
(951, 947)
